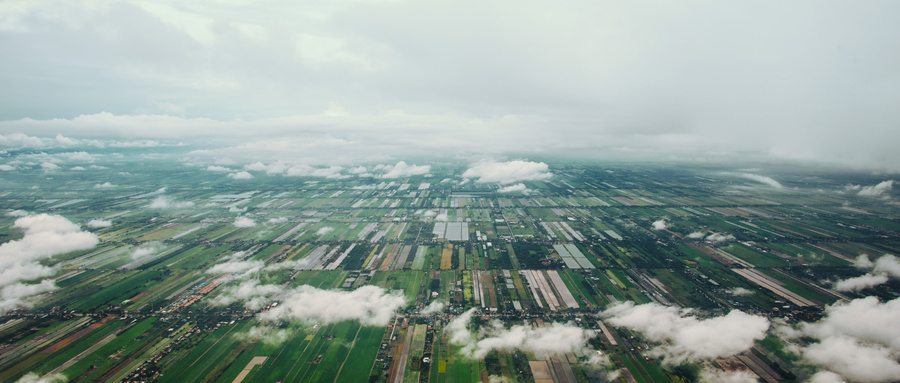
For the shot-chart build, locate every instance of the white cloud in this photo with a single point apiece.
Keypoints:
(49, 166)
(265, 334)
(719, 237)
(885, 266)
(508, 172)
(660, 225)
(863, 262)
(304, 170)
(216, 168)
(826, 377)
(740, 291)
(876, 190)
(697, 235)
(243, 175)
(236, 267)
(98, 223)
(555, 337)
(45, 236)
(401, 169)
(763, 179)
(79, 156)
(860, 340)
(324, 230)
(689, 338)
(77, 168)
(163, 202)
(714, 375)
(18, 294)
(861, 282)
(244, 222)
(434, 307)
(370, 305)
(7, 168)
(146, 249)
(865, 319)
(857, 362)
(17, 213)
(250, 293)
(105, 185)
(888, 264)
(35, 378)
(519, 187)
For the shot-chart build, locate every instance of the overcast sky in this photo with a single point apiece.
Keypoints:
(705, 80)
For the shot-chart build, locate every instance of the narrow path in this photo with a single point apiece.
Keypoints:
(353, 343)
(83, 354)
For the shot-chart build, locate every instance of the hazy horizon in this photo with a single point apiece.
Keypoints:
(351, 82)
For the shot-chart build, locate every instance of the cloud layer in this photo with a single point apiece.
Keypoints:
(579, 77)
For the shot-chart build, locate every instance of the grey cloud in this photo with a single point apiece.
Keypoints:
(580, 78)
(876, 190)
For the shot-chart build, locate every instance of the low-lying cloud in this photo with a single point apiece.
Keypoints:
(858, 340)
(401, 169)
(697, 235)
(265, 334)
(99, 223)
(434, 307)
(519, 187)
(508, 172)
(553, 338)
(35, 378)
(241, 175)
(45, 236)
(884, 267)
(873, 190)
(324, 230)
(163, 202)
(719, 237)
(689, 338)
(660, 225)
(711, 374)
(244, 222)
(763, 179)
(370, 305)
(250, 293)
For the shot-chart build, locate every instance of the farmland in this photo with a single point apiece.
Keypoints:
(196, 276)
